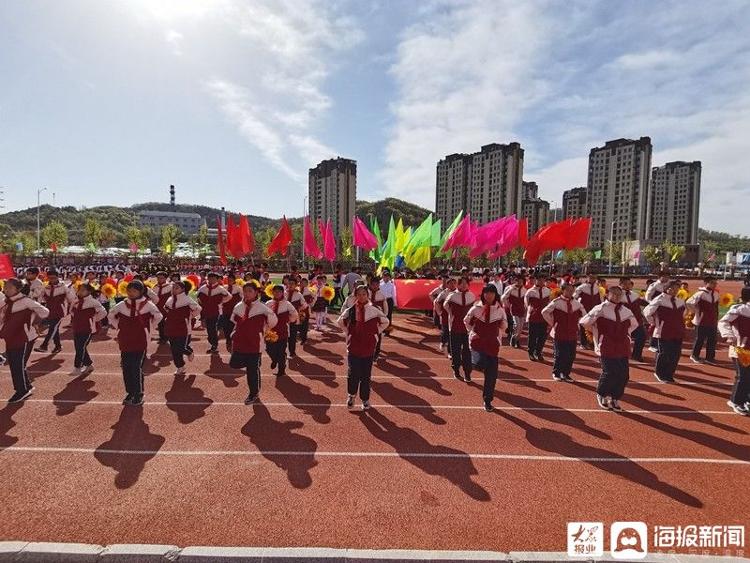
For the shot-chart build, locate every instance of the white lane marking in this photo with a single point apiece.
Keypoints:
(241, 373)
(432, 455)
(375, 406)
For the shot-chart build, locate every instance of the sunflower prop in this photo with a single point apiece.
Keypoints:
(555, 293)
(122, 288)
(77, 284)
(682, 294)
(110, 281)
(193, 279)
(255, 283)
(589, 336)
(2, 284)
(269, 290)
(689, 319)
(314, 289)
(642, 293)
(327, 293)
(271, 336)
(743, 356)
(726, 299)
(108, 290)
(239, 282)
(149, 283)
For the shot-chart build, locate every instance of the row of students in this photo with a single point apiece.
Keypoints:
(610, 326)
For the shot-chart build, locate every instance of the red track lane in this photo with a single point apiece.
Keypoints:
(299, 470)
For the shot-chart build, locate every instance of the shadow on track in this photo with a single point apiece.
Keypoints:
(129, 448)
(457, 470)
(273, 438)
(395, 396)
(183, 391)
(77, 389)
(412, 368)
(561, 444)
(6, 423)
(301, 397)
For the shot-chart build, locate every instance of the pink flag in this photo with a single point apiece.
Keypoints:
(461, 236)
(507, 239)
(362, 237)
(329, 243)
(311, 246)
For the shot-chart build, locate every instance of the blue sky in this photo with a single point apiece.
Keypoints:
(232, 101)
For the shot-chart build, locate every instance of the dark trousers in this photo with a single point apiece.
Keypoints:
(445, 337)
(391, 305)
(132, 371)
(277, 353)
(304, 328)
(378, 345)
(614, 377)
(293, 332)
(537, 337)
(705, 335)
(460, 353)
(179, 346)
(105, 304)
(227, 327)
(53, 332)
(488, 365)
(17, 359)
(211, 331)
(81, 342)
(741, 389)
(565, 355)
(667, 358)
(639, 341)
(251, 363)
(358, 376)
(160, 329)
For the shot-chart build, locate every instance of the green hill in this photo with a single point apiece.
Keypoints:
(412, 214)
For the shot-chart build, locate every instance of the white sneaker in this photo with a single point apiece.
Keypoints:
(739, 409)
(603, 402)
(87, 369)
(652, 349)
(366, 406)
(440, 346)
(180, 371)
(76, 371)
(350, 401)
(615, 406)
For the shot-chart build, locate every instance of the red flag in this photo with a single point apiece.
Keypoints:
(578, 236)
(282, 240)
(311, 245)
(220, 242)
(247, 242)
(234, 239)
(6, 268)
(523, 233)
(415, 294)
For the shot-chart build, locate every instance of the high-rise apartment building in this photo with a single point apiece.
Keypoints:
(575, 203)
(536, 212)
(332, 192)
(618, 181)
(486, 184)
(673, 203)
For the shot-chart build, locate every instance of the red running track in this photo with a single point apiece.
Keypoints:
(427, 468)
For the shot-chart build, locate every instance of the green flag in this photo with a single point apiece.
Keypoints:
(388, 256)
(436, 233)
(451, 228)
(375, 230)
(598, 254)
(417, 250)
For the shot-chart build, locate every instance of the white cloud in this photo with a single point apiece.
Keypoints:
(174, 39)
(464, 74)
(647, 59)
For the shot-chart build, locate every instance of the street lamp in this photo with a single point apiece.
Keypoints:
(38, 224)
(611, 244)
(304, 214)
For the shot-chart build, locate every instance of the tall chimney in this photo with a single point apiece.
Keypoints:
(171, 195)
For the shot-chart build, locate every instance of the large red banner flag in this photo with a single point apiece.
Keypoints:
(6, 267)
(220, 242)
(415, 294)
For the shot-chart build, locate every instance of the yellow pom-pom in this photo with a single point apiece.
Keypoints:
(327, 293)
(726, 299)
